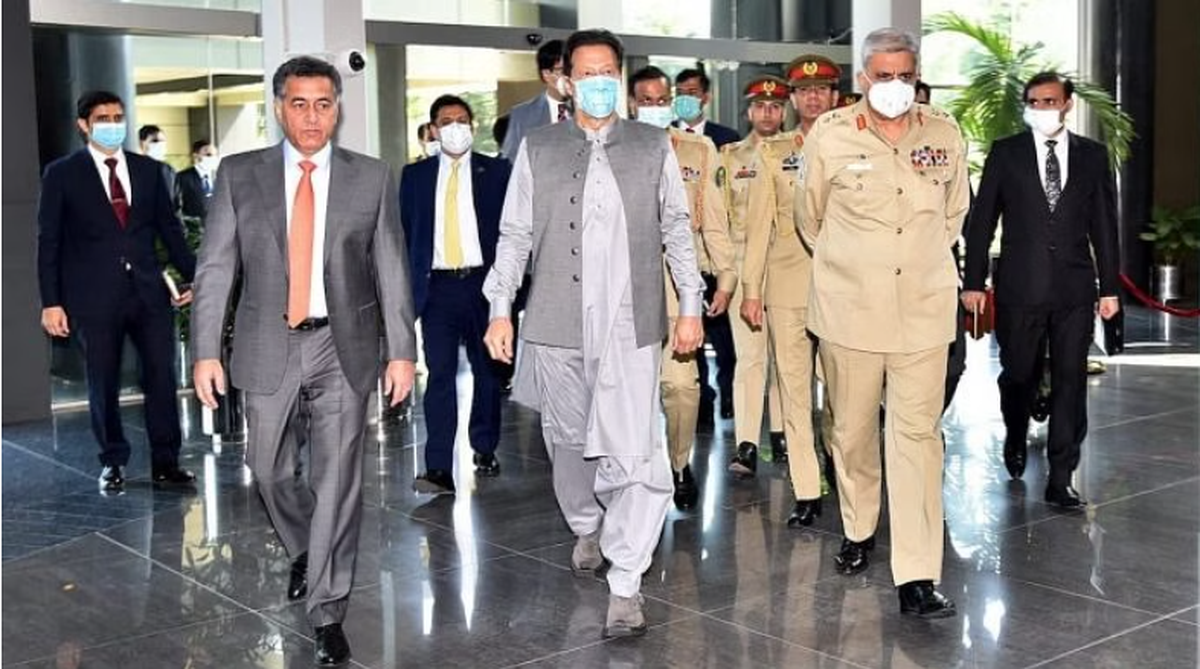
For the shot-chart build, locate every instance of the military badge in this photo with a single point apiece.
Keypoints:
(721, 177)
(690, 173)
(793, 162)
(745, 173)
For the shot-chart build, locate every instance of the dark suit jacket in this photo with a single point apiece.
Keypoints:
(82, 249)
(719, 134)
(366, 269)
(192, 200)
(1047, 259)
(418, 211)
(522, 118)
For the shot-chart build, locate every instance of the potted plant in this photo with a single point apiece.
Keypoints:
(1175, 234)
(989, 106)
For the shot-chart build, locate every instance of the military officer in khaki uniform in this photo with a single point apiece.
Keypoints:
(775, 252)
(881, 199)
(814, 81)
(650, 102)
(746, 179)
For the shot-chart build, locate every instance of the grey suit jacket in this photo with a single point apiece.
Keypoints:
(530, 114)
(366, 269)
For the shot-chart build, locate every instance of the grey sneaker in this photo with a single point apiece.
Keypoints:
(624, 617)
(586, 557)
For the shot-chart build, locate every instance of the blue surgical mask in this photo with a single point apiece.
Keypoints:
(597, 96)
(659, 117)
(109, 135)
(687, 107)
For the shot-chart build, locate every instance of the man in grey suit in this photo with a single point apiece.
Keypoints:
(313, 231)
(591, 206)
(543, 109)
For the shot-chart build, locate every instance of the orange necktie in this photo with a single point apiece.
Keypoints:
(300, 247)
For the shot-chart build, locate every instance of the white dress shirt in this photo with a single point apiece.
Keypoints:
(468, 224)
(1039, 143)
(122, 171)
(698, 128)
(553, 105)
(317, 307)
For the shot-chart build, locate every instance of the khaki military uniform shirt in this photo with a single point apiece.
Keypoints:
(743, 178)
(881, 219)
(700, 165)
(776, 259)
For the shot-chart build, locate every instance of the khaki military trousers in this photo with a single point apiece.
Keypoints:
(752, 376)
(912, 448)
(794, 370)
(680, 388)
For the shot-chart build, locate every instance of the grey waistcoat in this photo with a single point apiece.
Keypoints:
(558, 159)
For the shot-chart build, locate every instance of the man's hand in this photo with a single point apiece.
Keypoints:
(688, 336)
(499, 340)
(208, 376)
(752, 312)
(54, 322)
(1109, 306)
(720, 303)
(975, 301)
(184, 298)
(398, 380)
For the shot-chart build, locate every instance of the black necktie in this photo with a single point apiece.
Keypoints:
(1053, 175)
(562, 111)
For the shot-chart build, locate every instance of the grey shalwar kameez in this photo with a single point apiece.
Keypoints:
(600, 403)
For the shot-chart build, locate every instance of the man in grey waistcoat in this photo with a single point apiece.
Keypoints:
(591, 206)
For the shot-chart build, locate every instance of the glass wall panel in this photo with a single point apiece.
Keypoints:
(490, 80)
(518, 13)
(191, 88)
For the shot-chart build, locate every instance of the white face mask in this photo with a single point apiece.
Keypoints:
(431, 148)
(659, 117)
(209, 163)
(891, 98)
(1045, 121)
(456, 138)
(156, 150)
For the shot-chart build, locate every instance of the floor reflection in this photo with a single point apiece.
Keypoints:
(480, 580)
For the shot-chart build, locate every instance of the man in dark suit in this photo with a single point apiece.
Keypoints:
(692, 93)
(101, 212)
(195, 184)
(450, 207)
(1056, 194)
(311, 229)
(545, 108)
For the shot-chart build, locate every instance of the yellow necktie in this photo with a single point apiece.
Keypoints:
(453, 240)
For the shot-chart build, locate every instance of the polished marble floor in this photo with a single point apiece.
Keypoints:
(154, 579)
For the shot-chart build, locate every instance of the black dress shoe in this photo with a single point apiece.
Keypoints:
(779, 447)
(746, 460)
(332, 648)
(726, 406)
(173, 477)
(112, 479)
(919, 598)
(298, 579)
(1015, 452)
(686, 491)
(1064, 497)
(804, 512)
(487, 465)
(435, 482)
(855, 556)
